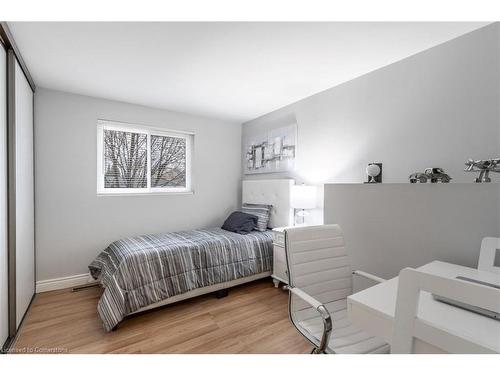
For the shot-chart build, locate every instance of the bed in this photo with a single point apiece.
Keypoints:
(149, 271)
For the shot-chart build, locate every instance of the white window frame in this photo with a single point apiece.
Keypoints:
(148, 131)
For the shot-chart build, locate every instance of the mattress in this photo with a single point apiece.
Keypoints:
(139, 271)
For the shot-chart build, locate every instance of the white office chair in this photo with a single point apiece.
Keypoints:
(487, 255)
(408, 326)
(320, 280)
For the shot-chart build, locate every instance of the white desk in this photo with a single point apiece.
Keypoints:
(373, 310)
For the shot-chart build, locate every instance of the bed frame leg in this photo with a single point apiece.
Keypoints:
(221, 293)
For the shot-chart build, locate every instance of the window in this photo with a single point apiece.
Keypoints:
(133, 159)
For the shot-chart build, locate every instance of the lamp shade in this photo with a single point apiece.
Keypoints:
(303, 197)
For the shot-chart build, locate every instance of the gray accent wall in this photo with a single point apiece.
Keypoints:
(391, 226)
(436, 108)
(73, 224)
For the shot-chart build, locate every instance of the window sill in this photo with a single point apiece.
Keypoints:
(145, 194)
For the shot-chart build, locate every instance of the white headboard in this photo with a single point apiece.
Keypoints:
(274, 192)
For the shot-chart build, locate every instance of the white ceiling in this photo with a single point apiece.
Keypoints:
(233, 71)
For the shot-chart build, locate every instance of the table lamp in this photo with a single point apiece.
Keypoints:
(303, 198)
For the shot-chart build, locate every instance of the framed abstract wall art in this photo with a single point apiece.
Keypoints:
(271, 151)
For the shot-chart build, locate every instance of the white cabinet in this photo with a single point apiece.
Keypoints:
(24, 195)
(280, 273)
(4, 281)
(17, 204)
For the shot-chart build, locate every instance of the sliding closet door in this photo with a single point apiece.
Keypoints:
(4, 285)
(24, 195)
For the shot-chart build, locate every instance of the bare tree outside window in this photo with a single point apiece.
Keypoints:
(133, 159)
(168, 161)
(125, 159)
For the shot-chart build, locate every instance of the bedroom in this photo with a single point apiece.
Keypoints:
(247, 187)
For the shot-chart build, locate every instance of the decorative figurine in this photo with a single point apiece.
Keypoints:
(430, 174)
(484, 167)
(374, 172)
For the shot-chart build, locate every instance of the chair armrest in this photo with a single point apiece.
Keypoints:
(305, 297)
(368, 276)
(323, 312)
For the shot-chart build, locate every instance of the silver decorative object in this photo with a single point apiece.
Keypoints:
(484, 167)
(430, 174)
(374, 173)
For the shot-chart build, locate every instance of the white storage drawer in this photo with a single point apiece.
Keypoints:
(279, 238)
(279, 255)
(280, 272)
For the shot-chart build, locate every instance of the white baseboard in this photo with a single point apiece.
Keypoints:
(62, 282)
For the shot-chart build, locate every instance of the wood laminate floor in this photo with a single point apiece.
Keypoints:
(252, 319)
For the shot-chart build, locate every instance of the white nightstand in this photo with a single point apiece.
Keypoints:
(280, 272)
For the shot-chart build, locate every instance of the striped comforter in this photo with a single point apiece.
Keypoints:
(139, 271)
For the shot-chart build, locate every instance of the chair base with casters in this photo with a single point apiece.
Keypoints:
(320, 281)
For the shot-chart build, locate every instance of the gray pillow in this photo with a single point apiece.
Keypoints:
(240, 222)
(262, 211)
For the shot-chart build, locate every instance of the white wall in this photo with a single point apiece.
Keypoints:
(436, 108)
(73, 224)
(391, 226)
